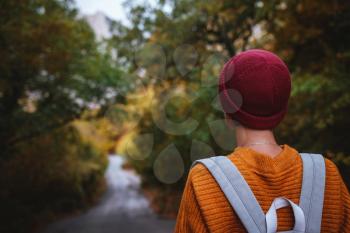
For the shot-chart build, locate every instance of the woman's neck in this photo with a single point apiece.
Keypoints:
(262, 141)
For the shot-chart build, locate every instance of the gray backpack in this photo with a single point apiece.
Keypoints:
(308, 214)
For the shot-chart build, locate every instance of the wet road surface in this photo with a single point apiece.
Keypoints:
(122, 209)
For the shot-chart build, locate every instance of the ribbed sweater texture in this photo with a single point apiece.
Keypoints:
(204, 207)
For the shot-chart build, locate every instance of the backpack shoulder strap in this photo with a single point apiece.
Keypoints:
(312, 190)
(237, 192)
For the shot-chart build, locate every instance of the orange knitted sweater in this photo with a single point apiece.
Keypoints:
(204, 207)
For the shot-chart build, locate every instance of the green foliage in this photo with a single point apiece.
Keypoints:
(315, 43)
(51, 69)
(148, 136)
(195, 39)
(54, 173)
(311, 36)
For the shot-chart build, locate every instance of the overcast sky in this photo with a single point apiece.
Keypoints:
(111, 8)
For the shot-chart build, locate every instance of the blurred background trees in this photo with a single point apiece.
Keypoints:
(149, 91)
(52, 71)
(196, 38)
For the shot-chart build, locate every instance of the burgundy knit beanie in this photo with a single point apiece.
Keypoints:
(254, 89)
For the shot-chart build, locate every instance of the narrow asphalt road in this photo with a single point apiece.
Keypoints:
(122, 209)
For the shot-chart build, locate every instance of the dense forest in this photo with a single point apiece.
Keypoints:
(149, 93)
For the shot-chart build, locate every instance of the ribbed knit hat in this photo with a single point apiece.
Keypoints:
(254, 89)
